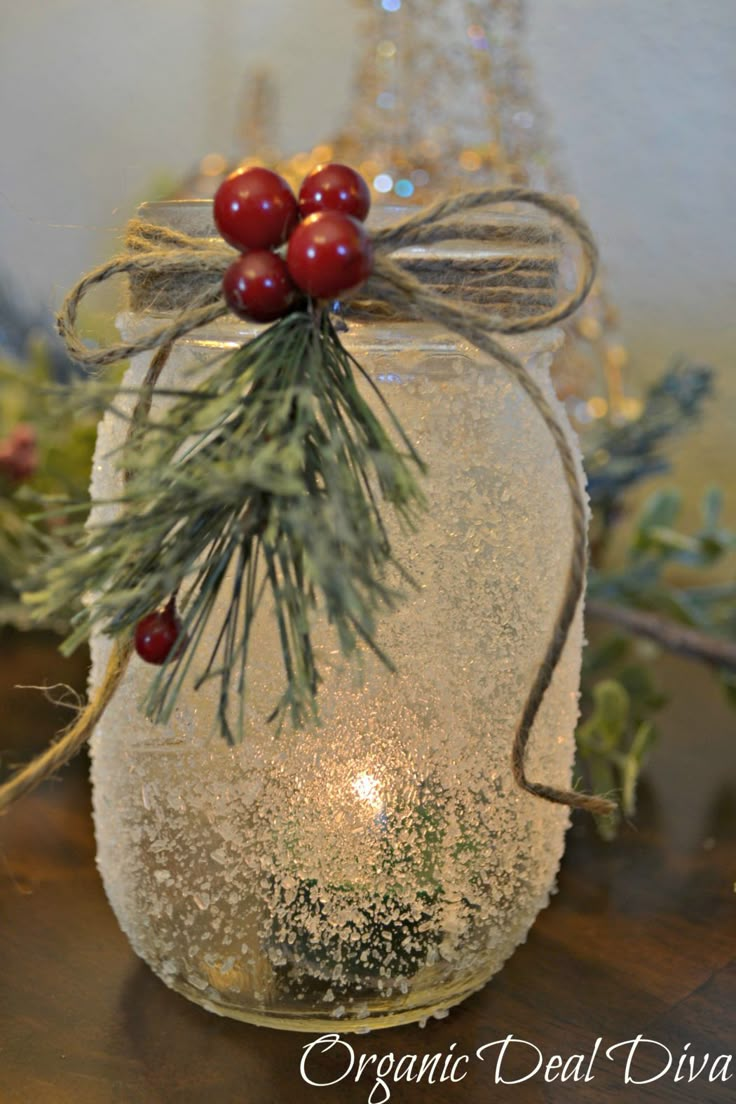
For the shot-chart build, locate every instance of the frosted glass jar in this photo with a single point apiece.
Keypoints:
(377, 869)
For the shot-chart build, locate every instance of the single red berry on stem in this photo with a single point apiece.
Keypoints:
(255, 209)
(334, 187)
(258, 286)
(329, 254)
(156, 634)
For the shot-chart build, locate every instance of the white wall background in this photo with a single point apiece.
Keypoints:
(96, 96)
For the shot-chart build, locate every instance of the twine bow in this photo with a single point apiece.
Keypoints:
(186, 273)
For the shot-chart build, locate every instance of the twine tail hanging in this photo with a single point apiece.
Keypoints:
(191, 269)
(63, 750)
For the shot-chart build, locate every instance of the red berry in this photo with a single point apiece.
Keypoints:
(255, 209)
(329, 254)
(334, 187)
(156, 634)
(19, 454)
(258, 286)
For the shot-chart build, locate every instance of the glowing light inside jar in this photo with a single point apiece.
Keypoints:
(368, 789)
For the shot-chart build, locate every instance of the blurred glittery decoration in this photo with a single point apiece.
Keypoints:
(444, 100)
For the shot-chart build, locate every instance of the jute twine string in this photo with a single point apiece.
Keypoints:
(192, 270)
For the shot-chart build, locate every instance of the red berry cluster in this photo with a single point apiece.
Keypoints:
(328, 251)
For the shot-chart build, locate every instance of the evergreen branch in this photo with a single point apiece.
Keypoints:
(671, 635)
(275, 460)
(621, 455)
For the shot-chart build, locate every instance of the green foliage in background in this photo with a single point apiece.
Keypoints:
(28, 396)
(665, 571)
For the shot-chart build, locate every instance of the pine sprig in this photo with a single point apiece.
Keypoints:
(268, 478)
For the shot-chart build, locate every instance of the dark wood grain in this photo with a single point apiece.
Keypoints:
(641, 938)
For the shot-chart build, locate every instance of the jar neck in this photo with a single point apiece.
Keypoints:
(367, 339)
(511, 272)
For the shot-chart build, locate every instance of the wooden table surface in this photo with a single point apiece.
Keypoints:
(640, 939)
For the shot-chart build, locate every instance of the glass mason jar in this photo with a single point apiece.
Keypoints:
(380, 867)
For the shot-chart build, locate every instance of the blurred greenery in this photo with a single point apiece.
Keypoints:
(664, 570)
(28, 396)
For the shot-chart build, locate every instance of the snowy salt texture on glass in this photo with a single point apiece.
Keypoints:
(379, 868)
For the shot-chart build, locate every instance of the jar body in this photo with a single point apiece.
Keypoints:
(379, 867)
